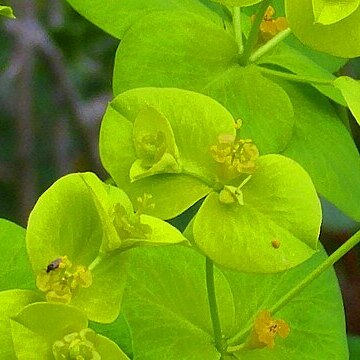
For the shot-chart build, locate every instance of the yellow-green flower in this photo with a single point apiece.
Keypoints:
(60, 282)
(265, 330)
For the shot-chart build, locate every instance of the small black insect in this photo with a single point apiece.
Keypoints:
(54, 265)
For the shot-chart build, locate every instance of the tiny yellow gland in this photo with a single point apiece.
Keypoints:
(238, 124)
(265, 330)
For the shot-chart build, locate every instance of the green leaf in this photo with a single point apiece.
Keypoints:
(102, 300)
(187, 58)
(323, 146)
(195, 120)
(293, 60)
(277, 227)
(118, 331)
(65, 222)
(109, 350)
(169, 316)
(7, 11)
(237, 2)
(350, 89)
(11, 303)
(155, 145)
(38, 325)
(167, 308)
(326, 38)
(354, 347)
(40, 330)
(116, 17)
(107, 198)
(15, 269)
(327, 12)
(315, 317)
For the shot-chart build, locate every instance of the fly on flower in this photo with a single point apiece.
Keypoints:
(54, 265)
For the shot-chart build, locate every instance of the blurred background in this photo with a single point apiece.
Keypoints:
(55, 82)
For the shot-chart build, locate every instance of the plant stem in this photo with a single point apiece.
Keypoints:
(270, 45)
(97, 261)
(237, 29)
(210, 285)
(296, 78)
(325, 265)
(253, 35)
(330, 261)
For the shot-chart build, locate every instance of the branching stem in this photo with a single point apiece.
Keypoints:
(269, 45)
(254, 31)
(210, 286)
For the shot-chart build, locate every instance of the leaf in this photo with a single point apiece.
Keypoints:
(323, 146)
(15, 269)
(116, 17)
(117, 331)
(326, 38)
(187, 58)
(315, 316)
(11, 303)
(167, 308)
(293, 60)
(65, 222)
(194, 118)
(277, 227)
(350, 89)
(106, 197)
(109, 350)
(102, 300)
(47, 322)
(154, 144)
(38, 329)
(237, 2)
(328, 12)
(354, 347)
(169, 316)
(7, 11)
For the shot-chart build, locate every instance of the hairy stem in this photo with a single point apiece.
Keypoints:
(325, 265)
(269, 45)
(254, 31)
(237, 29)
(210, 285)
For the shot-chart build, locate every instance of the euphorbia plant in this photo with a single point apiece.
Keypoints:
(225, 125)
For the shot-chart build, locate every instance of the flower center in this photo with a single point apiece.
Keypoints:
(61, 279)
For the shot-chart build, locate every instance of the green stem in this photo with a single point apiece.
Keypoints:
(269, 45)
(97, 261)
(210, 285)
(296, 78)
(330, 261)
(237, 29)
(254, 31)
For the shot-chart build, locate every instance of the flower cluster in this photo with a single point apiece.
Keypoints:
(265, 330)
(236, 156)
(61, 279)
(77, 345)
